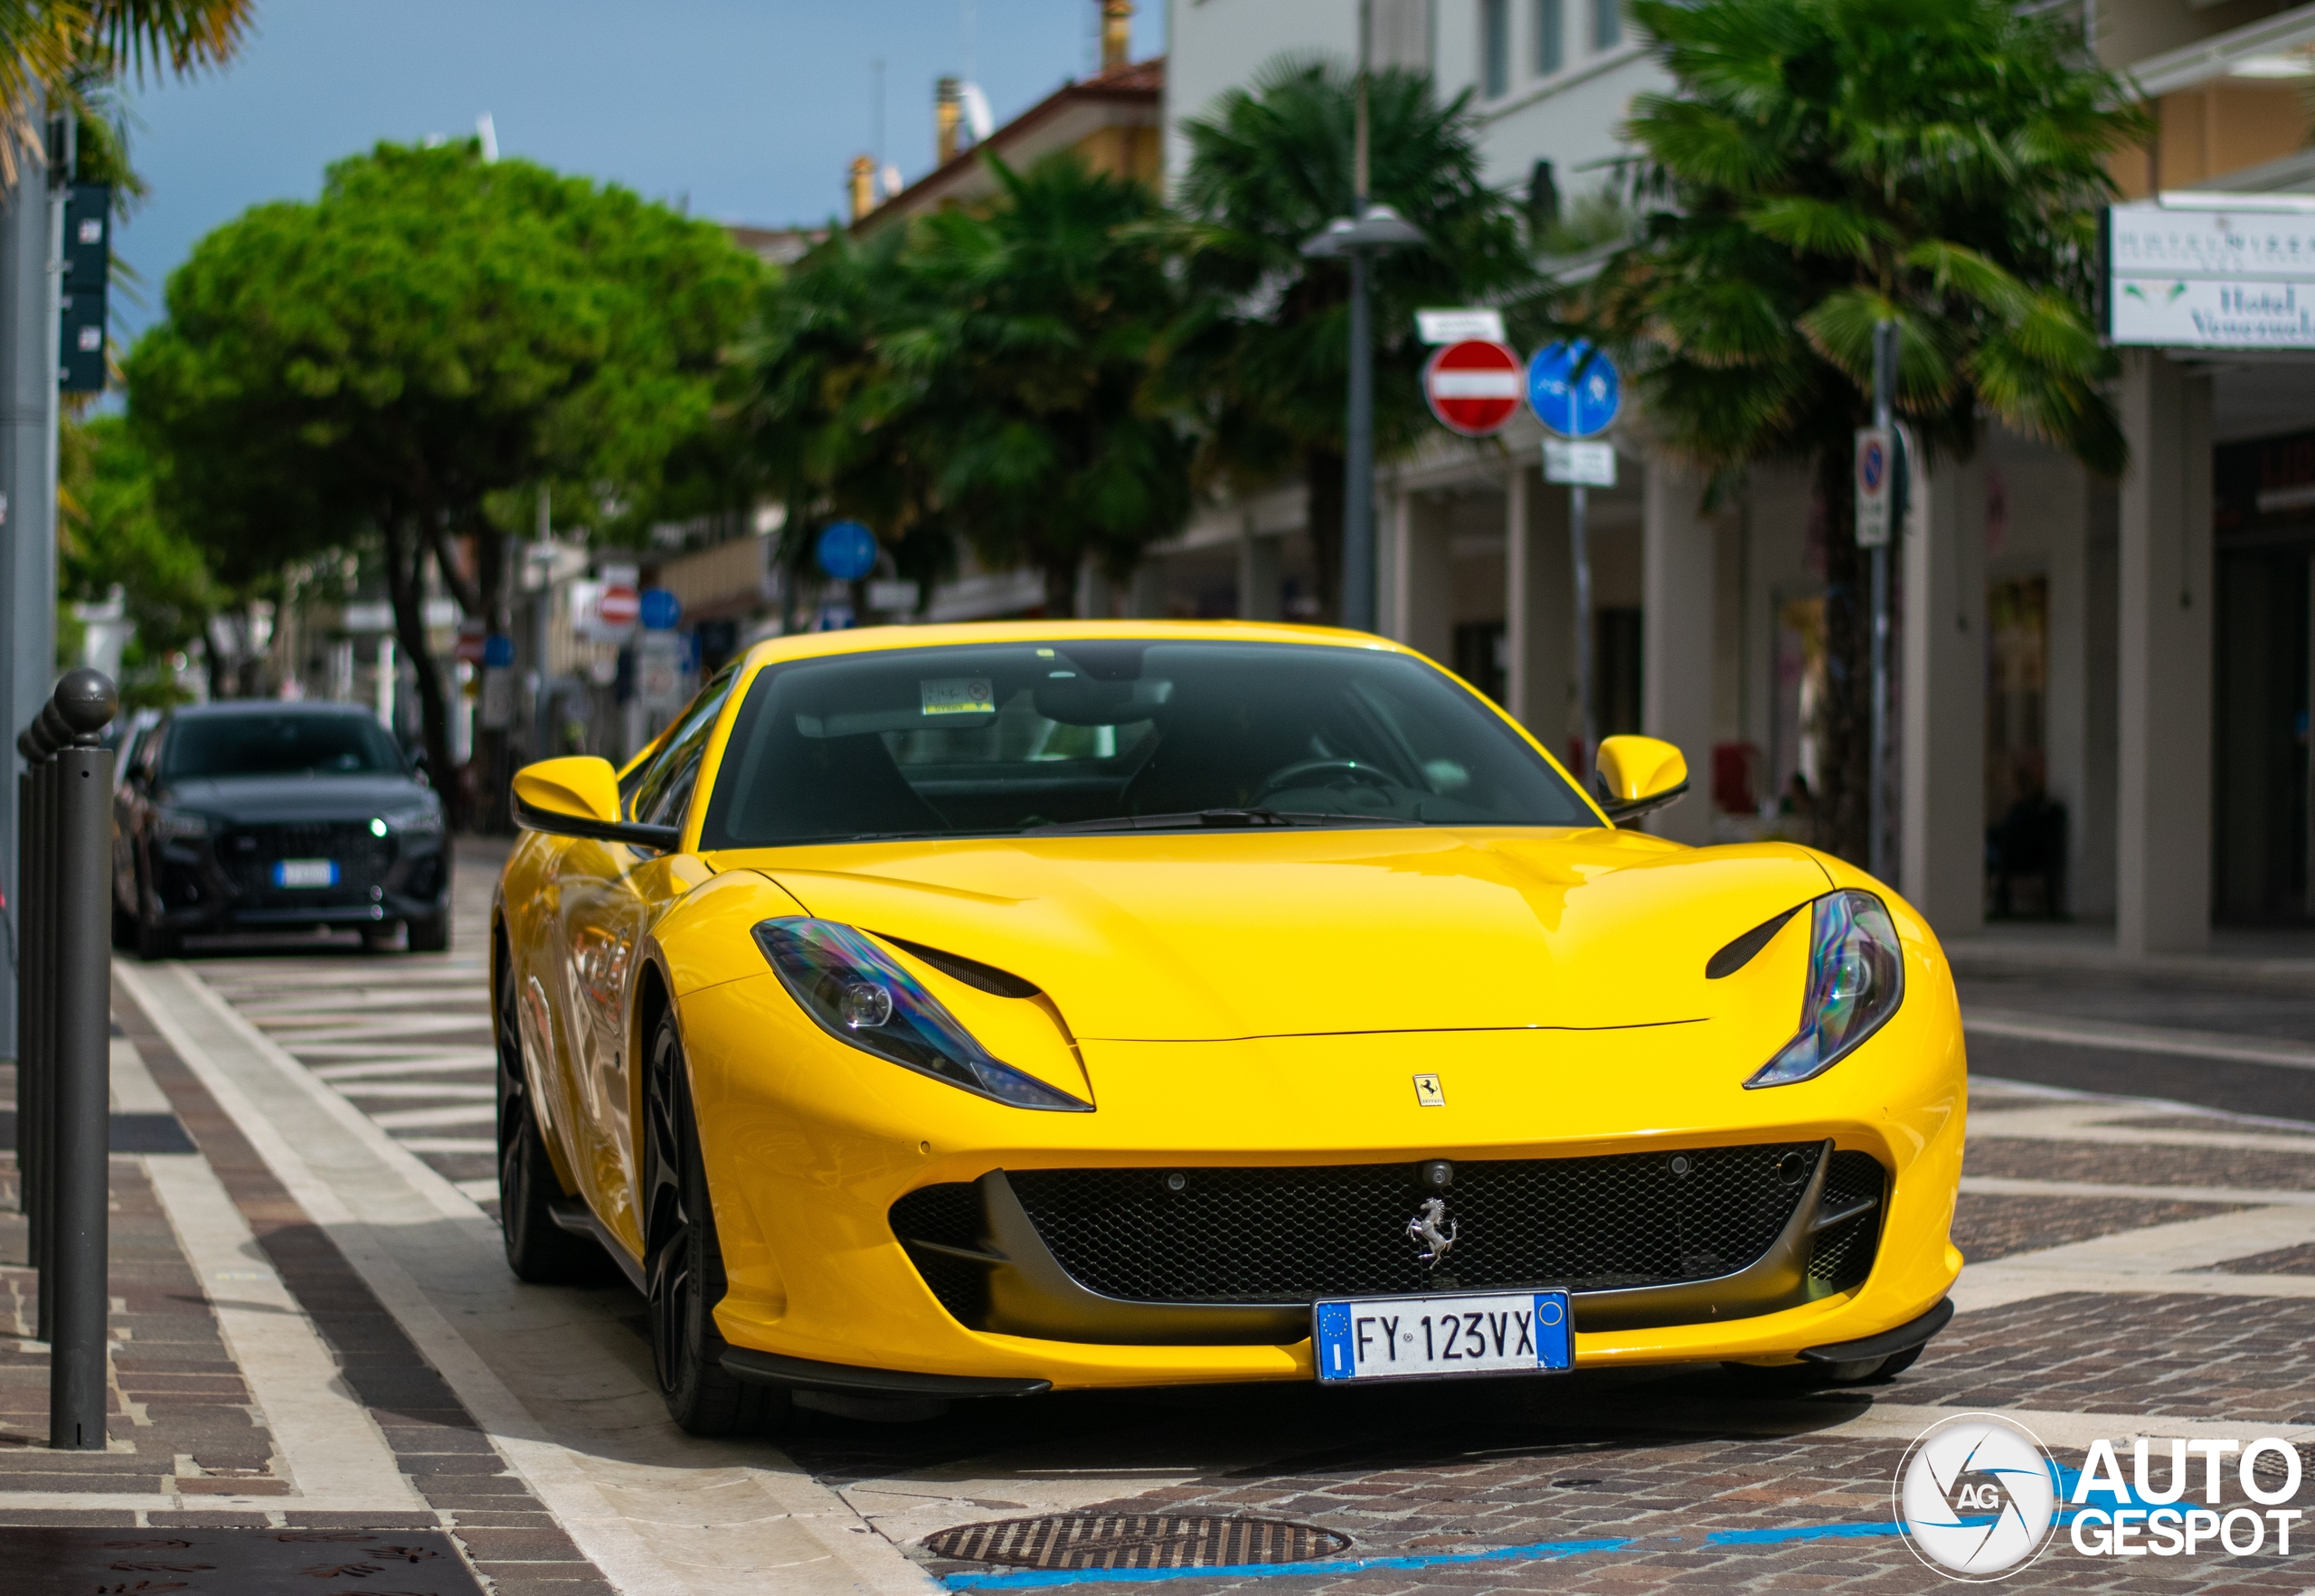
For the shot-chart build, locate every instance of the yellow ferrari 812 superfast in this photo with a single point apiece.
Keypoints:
(938, 1012)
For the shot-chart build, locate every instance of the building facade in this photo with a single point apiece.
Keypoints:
(2133, 654)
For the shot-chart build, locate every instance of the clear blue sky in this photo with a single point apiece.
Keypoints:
(751, 109)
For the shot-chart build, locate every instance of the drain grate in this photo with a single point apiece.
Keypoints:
(1135, 1540)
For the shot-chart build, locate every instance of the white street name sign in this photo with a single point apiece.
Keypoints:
(1454, 327)
(1580, 465)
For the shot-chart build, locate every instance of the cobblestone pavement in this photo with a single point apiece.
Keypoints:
(2138, 1267)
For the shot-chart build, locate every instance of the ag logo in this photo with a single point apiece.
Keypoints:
(1977, 1497)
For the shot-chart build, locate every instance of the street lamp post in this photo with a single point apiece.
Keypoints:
(1369, 230)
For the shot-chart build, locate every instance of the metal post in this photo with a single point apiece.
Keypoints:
(1358, 451)
(72, 838)
(1358, 462)
(1884, 393)
(27, 499)
(1580, 546)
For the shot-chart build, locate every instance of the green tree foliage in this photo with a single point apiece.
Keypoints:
(1040, 321)
(110, 536)
(983, 376)
(435, 331)
(1263, 352)
(830, 426)
(1823, 164)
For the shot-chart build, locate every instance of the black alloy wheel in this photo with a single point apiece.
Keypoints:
(538, 1249)
(155, 941)
(683, 1266)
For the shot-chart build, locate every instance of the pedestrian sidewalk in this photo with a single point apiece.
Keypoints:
(324, 1376)
(2238, 959)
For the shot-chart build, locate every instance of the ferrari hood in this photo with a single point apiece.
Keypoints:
(1204, 936)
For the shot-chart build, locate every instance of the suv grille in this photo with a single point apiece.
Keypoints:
(248, 853)
(1292, 1234)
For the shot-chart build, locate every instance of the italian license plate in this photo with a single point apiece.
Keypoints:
(1395, 1338)
(305, 873)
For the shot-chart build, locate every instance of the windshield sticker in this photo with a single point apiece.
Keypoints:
(959, 695)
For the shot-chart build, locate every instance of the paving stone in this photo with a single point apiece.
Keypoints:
(2282, 1260)
(1988, 1226)
(2191, 1356)
(2132, 1164)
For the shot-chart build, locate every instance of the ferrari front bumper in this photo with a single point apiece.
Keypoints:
(809, 1143)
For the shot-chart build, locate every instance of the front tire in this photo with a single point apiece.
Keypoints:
(683, 1266)
(538, 1249)
(155, 943)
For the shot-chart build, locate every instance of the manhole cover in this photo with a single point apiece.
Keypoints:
(1135, 1540)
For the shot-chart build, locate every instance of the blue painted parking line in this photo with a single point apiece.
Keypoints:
(1538, 1552)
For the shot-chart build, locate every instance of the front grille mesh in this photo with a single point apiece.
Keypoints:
(1292, 1234)
(948, 1215)
(1842, 1256)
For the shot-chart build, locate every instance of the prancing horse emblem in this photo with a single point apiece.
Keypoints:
(1424, 1231)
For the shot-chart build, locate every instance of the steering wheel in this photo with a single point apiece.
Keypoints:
(1288, 776)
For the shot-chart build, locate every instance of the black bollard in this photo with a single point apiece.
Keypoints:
(65, 1047)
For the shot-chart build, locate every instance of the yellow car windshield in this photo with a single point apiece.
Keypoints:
(1119, 734)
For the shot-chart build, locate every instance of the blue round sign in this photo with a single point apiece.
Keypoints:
(659, 610)
(1573, 396)
(498, 651)
(847, 550)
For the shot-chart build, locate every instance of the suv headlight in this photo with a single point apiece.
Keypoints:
(425, 820)
(181, 826)
(1856, 978)
(859, 995)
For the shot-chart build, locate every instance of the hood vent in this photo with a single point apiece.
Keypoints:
(972, 972)
(1739, 953)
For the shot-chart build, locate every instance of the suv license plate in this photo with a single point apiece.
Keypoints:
(1469, 1333)
(305, 873)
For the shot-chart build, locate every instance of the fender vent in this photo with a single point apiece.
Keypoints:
(1842, 1255)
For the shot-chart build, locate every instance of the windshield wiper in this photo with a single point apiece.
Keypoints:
(1219, 819)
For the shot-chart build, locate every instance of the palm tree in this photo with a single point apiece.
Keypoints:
(61, 49)
(1825, 165)
(830, 426)
(1263, 351)
(1041, 322)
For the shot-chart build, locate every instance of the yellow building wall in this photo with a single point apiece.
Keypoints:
(2207, 132)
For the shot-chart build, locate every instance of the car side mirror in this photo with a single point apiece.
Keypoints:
(579, 796)
(1635, 775)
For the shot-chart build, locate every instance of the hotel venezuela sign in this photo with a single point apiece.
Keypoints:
(2212, 271)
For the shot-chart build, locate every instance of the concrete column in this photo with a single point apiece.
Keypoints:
(1421, 585)
(1146, 600)
(2163, 808)
(1259, 559)
(1678, 559)
(1538, 609)
(28, 313)
(1942, 710)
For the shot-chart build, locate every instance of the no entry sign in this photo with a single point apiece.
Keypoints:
(617, 607)
(1473, 386)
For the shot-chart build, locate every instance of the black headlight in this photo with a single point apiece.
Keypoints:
(1856, 978)
(861, 995)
